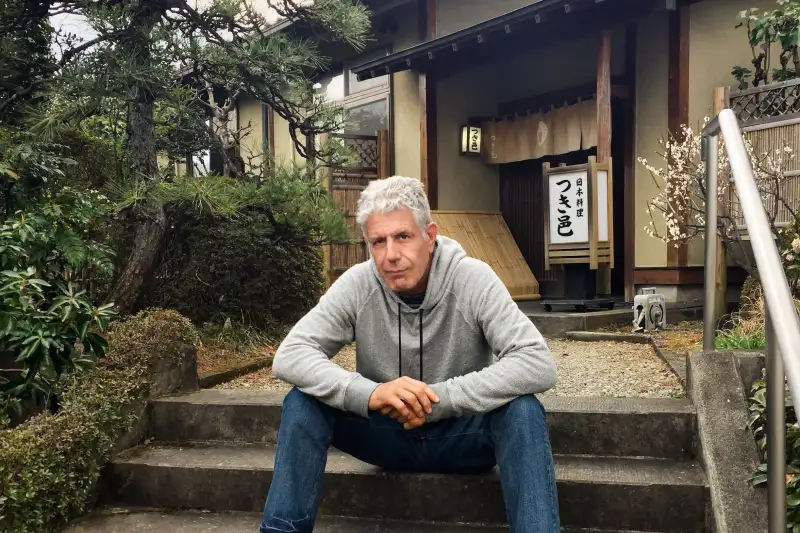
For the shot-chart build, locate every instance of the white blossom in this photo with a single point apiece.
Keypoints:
(677, 212)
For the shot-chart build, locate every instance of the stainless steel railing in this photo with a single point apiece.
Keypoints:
(782, 322)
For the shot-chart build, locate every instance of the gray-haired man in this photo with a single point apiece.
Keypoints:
(427, 320)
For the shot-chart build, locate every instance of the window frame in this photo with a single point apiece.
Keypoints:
(383, 91)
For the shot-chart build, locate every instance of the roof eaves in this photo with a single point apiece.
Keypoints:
(381, 66)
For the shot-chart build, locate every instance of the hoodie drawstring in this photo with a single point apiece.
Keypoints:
(421, 311)
(400, 342)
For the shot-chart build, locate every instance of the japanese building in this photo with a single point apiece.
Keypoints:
(490, 103)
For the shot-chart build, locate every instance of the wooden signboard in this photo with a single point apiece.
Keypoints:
(579, 214)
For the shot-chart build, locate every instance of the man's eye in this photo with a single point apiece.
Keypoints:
(403, 236)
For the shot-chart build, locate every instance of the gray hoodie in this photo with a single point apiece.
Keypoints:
(466, 319)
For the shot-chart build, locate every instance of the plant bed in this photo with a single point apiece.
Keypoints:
(233, 350)
(212, 379)
(682, 337)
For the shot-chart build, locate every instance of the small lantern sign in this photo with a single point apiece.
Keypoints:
(471, 140)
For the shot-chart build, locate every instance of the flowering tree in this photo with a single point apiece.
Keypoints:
(682, 193)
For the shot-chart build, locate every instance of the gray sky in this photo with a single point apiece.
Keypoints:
(78, 25)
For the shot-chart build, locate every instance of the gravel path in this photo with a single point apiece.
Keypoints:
(610, 369)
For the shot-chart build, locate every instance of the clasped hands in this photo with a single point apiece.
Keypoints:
(405, 399)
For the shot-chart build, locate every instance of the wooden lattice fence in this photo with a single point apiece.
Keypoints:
(769, 116)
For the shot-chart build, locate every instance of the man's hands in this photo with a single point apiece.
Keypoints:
(406, 400)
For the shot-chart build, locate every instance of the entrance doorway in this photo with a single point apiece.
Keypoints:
(522, 204)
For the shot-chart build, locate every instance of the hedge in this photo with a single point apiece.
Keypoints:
(238, 268)
(50, 464)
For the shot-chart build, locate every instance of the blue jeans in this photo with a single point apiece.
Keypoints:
(514, 437)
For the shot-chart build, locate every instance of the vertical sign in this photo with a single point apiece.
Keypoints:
(471, 140)
(474, 140)
(569, 207)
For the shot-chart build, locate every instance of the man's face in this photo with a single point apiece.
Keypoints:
(400, 250)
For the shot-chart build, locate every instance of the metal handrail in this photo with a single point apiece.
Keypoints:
(782, 321)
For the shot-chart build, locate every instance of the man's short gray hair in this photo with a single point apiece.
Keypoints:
(393, 194)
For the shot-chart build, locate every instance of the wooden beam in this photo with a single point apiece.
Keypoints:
(629, 242)
(603, 100)
(427, 107)
(619, 89)
(678, 97)
(692, 275)
(428, 20)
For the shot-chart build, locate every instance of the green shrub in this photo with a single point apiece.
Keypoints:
(50, 464)
(240, 268)
(758, 424)
(49, 322)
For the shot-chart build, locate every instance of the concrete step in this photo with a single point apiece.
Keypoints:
(159, 521)
(610, 493)
(631, 427)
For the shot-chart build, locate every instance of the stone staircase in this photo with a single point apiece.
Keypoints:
(621, 465)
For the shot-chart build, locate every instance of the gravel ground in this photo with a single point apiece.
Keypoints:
(611, 369)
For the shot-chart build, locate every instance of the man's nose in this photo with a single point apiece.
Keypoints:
(392, 250)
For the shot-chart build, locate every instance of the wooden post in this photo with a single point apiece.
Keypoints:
(546, 211)
(383, 153)
(721, 95)
(678, 101)
(629, 217)
(427, 108)
(326, 180)
(604, 131)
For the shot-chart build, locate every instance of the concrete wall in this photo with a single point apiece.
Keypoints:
(715, 47)
(651, 125)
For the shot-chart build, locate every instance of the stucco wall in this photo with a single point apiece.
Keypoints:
(405, 96)
(715, 47)
(285, 152)
(652, 76)
(467, 182)
(454, 15)
(250, 117)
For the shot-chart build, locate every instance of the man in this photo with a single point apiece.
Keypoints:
(427, 395)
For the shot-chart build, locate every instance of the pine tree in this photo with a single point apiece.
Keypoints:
(162, 68)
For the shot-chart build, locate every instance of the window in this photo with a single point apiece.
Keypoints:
(367, 103)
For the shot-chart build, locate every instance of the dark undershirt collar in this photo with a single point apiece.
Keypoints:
(412, 300)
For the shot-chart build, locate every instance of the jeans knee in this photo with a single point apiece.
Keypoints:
(297, 401)
(526, 410)
(304, 412)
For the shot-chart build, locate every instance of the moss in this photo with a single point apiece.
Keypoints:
(50, 464)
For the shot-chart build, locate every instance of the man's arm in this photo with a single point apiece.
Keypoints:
(303, 358)
(525, 364)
